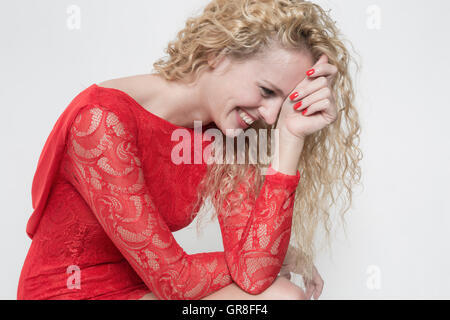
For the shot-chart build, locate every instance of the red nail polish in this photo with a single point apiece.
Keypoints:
(304, 111)
(298, 105)
(310, 72)
(294, 96)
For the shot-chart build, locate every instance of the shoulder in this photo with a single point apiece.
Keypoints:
(118, 83)
(95, 120)
(139, 87)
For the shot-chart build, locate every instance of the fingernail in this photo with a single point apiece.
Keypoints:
(294, 96)
(310, 72)
(304, 111)
(298, 105)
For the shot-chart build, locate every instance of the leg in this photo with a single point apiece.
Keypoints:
(281, 289)
(149, 296)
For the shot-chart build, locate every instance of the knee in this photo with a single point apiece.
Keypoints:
(149, 296)
(283, 289)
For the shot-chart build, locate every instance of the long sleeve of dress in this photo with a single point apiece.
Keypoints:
(256, 233)
(107, 172)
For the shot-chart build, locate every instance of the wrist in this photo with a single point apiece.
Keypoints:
(287, 138)
(287, 155)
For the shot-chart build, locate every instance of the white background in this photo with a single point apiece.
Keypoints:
(398, 240)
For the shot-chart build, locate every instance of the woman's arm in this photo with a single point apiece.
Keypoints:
(256, 233)
(288, 150)
(107, 172)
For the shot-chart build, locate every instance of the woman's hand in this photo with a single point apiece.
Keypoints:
(313, 287)
(315, 102)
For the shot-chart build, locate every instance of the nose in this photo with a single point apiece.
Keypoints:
(270, 112)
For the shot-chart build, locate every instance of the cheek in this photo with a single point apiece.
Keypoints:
(227, 98)
(249, 97)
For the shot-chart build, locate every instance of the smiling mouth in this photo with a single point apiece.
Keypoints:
(245, 117)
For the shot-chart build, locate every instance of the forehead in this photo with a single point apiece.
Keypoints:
(287, 67)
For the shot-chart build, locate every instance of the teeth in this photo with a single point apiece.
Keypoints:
(246, 118)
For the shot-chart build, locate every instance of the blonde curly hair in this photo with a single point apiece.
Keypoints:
(329, 163)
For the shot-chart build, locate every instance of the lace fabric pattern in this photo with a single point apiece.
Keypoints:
(117, 169)
(108, 173)
(256, 233)
(69, 236)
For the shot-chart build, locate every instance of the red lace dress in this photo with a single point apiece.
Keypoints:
(107, 197)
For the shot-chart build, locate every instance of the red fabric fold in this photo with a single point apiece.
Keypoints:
(50, 159)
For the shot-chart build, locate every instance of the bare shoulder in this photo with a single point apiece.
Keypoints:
(129, 84)
(139, 87)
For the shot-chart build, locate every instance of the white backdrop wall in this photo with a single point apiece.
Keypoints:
(397, 243)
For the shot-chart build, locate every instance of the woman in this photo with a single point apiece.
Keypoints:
(109, 189)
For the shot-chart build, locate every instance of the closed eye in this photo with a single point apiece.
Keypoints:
(267, 92)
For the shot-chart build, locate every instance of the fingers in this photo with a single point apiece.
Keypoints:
(309, 289)
(318, 77)
(324, 70)
(318, 290)
(316, 107)
(310, 93)
(318, 281)
(321, 94)
(321, 69)
(305, 89)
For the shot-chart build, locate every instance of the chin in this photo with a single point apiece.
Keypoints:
(232, 131)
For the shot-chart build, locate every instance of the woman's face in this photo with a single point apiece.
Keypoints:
(250, 87)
